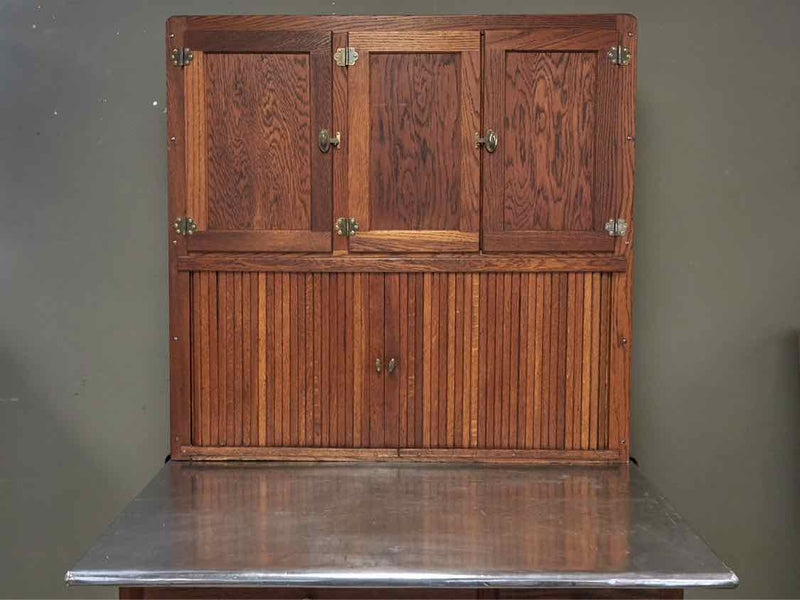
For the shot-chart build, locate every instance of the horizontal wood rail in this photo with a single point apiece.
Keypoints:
(259, 241)
(399, 264)
(287, 453)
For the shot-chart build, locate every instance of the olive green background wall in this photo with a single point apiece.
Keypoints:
(83, 277)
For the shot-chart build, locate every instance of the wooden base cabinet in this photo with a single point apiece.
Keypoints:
(400, 237)
(395, 594)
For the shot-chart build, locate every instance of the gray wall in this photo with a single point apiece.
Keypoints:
(83, 294)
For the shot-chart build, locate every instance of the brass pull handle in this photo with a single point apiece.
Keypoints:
(326, 140)
(378, 365)
(489, 142)
(391, 366)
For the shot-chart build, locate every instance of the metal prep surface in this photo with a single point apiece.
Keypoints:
(384, 525)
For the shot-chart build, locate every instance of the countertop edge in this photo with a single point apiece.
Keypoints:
(207, 578)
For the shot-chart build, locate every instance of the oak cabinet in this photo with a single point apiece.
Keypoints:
(392, 240)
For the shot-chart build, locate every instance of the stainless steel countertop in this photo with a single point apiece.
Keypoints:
(386, 525)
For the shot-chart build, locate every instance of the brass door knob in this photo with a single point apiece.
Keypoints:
(326, 140)
(378, 365)
(489, 142)
(391, 366)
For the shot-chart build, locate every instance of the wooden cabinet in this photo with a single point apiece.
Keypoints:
(480, 311)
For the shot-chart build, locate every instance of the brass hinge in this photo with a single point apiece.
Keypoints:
(619, 55)
(616, 227)
(346, 57)
(184, 226)
(346, 226)
(181, 56)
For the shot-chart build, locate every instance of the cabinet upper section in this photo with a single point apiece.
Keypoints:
(507, 134)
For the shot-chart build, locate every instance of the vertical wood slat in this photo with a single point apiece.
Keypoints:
(492, 360)
(195, 110)
(247, 398)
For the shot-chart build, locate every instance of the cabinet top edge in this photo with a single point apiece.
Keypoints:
(400, 22)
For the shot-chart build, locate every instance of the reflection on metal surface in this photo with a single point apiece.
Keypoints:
(400, 525)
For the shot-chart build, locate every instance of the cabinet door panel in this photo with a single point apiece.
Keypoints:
(288, 360)
(552, 96)
(413, 167)
(256, 179)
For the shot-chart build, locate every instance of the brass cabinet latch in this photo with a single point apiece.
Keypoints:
(346, 226)
(184, 226)
(181, 56)
(345, 57)
(326, 140)
(616, 227)
(489, 142)
(619, 55)
(391, 366)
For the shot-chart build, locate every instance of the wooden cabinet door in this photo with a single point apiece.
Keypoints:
(552, 96)
(254, 104)
(413, 168)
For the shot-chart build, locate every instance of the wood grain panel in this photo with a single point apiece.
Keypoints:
(179, 282)
(413, 152)
(414, 105)
(394, 264)
(622, 286)
(406, 24)
(259, 147)
(549, 140)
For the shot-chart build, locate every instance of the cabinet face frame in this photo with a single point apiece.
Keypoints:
(182, 262)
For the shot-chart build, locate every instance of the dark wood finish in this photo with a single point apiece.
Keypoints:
(521, 355)
(414, 101)
(256, 179)
(411, 23)
(622, 284)
(376, 454)
(552, 95)
(263, 327)
(259, 169)
(259, 241)
(414, 241)
(340, 124)
(179, 324)
(392, 594)
(547, 241)
(226, 40)
(408, 264)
